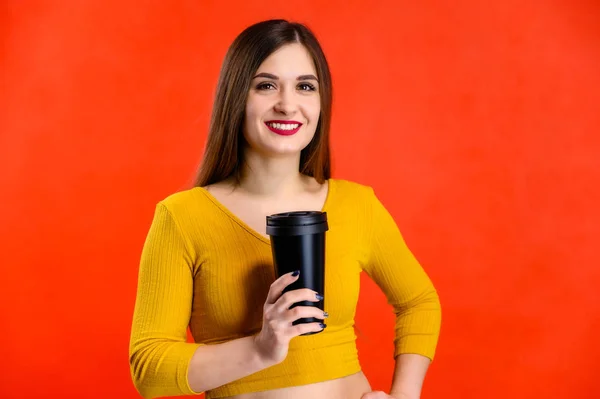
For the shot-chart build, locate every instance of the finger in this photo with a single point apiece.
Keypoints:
(302, 312)
(375, 395)
(381, 395)
(304, 328)
(279, 285)
(302, 294)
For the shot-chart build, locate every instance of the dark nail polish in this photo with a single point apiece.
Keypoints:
(325, 314)
(319, 297)
(295, 273)
(322, 325)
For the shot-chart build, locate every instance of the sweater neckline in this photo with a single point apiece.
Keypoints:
(244, 225)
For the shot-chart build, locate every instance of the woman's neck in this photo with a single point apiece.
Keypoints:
(275, 177)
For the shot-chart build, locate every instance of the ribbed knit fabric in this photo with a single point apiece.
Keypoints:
(204, 268)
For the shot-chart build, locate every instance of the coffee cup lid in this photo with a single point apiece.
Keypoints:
(297, 218)
(297, 222)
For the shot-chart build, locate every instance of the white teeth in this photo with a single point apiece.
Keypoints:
(284, 126)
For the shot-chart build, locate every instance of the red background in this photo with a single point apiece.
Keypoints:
(476, 122)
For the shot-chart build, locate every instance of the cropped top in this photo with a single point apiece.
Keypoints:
(204, 269)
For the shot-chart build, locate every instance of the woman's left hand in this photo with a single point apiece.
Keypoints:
(377, 395)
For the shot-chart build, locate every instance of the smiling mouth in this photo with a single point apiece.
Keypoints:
(284, 128)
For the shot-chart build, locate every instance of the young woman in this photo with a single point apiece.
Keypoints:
(207, 260)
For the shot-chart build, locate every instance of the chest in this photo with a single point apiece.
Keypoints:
(252, 212)
(232, 283)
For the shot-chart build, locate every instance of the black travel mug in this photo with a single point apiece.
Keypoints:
(298, 243)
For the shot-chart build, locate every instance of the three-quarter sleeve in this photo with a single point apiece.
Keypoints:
(159, 355)
(394, 268)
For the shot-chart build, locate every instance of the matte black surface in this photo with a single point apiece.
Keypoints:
(298, 243)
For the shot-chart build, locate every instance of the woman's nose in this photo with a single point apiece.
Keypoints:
(286, 103)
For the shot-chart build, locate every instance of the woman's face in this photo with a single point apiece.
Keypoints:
(283, 104)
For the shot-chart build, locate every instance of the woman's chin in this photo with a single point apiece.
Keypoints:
(279, 151)
(284, 153)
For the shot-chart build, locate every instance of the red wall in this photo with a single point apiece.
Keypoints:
(476, 122)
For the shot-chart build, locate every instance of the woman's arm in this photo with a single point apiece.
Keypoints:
(409, 375)
(392, 266)
(408, 378)
(162, 362)
(215, 365)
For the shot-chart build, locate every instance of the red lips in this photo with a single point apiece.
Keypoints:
(283, 128)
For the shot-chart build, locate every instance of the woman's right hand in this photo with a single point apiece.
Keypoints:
(277, 330)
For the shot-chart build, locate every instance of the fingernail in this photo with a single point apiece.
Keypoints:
(325, 314)
(295, 273)
(319, 297)
(322, 325)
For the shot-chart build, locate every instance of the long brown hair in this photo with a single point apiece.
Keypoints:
(223, 154)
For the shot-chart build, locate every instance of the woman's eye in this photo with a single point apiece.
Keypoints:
(306, 87)
(265, 86)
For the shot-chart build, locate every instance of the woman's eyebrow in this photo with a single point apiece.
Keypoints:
(274, 77)
(308, 77)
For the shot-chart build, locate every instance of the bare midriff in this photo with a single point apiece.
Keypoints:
(350, 387)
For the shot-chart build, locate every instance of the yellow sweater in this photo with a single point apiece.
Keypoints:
(203, 267)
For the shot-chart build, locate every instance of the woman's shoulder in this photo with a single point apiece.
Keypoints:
(191, 209)
(351, 188)
(181, 197)
(350, 195)
(186, 201)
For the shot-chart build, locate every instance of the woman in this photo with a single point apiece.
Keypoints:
(207, 260)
